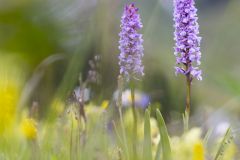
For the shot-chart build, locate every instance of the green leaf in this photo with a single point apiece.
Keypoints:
(206, 138)
(166, 148)
(227, 139)
(157, 157)
(147, 147)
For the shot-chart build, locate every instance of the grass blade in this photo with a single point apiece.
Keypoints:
(227, 139)
(207, 136)
(124, 135)
(166, 148)
(157, 157)
(147, 148)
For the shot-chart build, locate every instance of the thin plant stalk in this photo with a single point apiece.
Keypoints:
(123, 133)
(134, 121)
(79, 138)
(188, 96)
(71, 139)
(81, 99)
(119, 105)
(188, 101)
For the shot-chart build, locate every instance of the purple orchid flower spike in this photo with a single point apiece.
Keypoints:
(187, 48)
(130, 44)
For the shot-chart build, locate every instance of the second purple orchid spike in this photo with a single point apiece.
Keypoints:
(187, 48)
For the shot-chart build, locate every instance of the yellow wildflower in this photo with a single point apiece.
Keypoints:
(198, 151)
(9, 97)
(104, 104)
(29, 128)
(10, 88)
(188, 146)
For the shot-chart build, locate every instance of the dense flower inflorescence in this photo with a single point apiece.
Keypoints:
(130, 43)
(187, 49)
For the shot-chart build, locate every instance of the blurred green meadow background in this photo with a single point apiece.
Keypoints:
(45, 45)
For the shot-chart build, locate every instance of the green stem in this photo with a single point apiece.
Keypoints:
(119, 105)
(71, 139)
(134, 122)
(123, 133)
(188, 102)
(188, 97)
